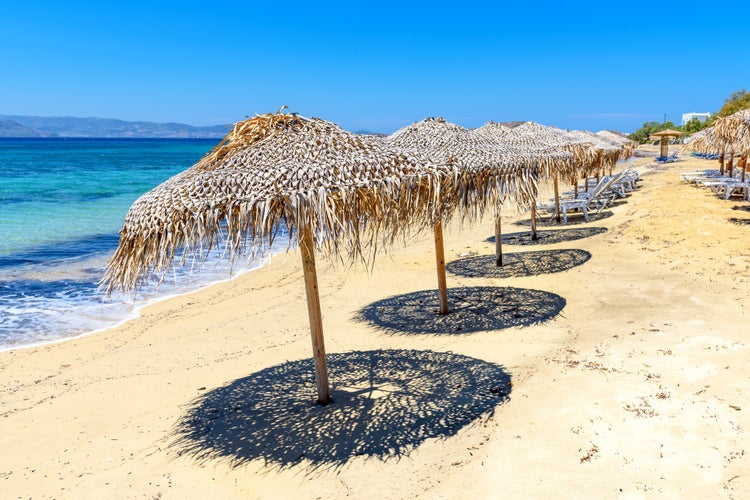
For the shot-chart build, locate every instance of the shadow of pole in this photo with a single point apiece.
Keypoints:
(519, 264)
(385, 403)
(548, 237)
(738, 221)
(473, 309)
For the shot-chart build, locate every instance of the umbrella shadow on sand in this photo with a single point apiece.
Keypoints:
(519, 264)
(385, 403)
(574, 218)
(473, 309)
(737, 220)
(549, 237)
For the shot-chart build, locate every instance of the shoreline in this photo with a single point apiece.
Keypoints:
(138, 307)
(634, 389)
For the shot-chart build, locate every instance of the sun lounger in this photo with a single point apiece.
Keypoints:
(726, 188)
(691, 176)
(668, 159)
(597, 199)
(706, 156)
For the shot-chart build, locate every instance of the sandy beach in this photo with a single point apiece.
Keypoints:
(614, 366)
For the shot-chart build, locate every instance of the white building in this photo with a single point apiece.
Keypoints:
(686, 117)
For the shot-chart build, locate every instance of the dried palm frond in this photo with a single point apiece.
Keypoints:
(281, 171)
(549, 142)
(703, 141)
(489, 172)
(733, 132)
(626, 144)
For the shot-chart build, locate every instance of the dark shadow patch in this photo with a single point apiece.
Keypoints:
(741, 222)
(548, 237)
(519, 264)
(574, 218)
(744, 208)
(385, 403)
(472, 309)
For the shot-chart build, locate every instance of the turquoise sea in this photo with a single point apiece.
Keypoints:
(62, 203)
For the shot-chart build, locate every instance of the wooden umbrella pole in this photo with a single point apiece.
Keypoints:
(498, 242)
(730, 164)
(575, 187)
(534, 236)
(440, 258)
(721, 163)
(743, 161)
(313, 310)
(664, 147)
(557, 201)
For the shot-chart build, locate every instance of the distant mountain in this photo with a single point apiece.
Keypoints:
(66, 126)
(10, 128)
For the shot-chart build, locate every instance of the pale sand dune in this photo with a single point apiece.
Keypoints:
(638, 388)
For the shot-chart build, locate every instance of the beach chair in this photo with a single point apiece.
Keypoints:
(668, 159)
(631, 179)
(618, 188)
(726, 188)
(570, 196)
(597, 198)
(690, 177)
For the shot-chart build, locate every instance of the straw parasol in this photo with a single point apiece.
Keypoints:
(663, 136)
(553, 146)
(490, 174)
(734, 130)
(610, 151)
(709, 141)
(703, 141)
(627, 145)
(332, 190)
(732, 133)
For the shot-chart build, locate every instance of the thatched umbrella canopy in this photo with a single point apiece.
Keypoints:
(607, 153)
(332, 190)
(663, 136)
(544, 143)
(734, 130)
(627, 145)
(709, 141)
(703, 141)
(492, 173)
(554, 154)
(611, 150)
(732, 134)
(560, 154)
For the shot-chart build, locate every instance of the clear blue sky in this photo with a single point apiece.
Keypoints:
(376, 65)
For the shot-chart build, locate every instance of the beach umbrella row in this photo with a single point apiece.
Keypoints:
(729, 135)
(493, 173)
(561, 155)
(334, 192)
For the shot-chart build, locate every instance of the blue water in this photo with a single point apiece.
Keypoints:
(62, 203)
